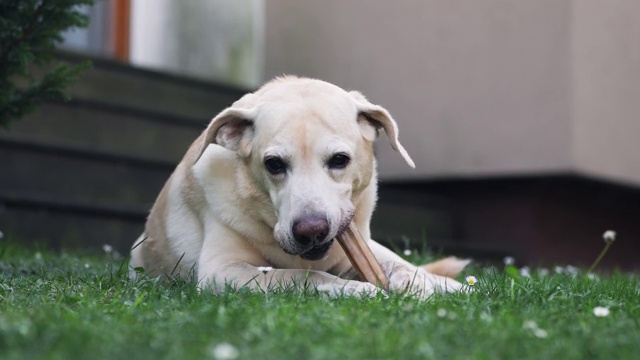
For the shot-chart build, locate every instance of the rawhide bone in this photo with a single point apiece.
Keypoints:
(362, 258)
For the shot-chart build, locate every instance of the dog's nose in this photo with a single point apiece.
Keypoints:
(310, 230)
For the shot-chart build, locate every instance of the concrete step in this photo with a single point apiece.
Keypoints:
(126, 85)
(110, 127)
(70, 173)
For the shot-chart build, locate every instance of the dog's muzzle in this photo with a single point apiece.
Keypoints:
(310, 234)
(318, 252)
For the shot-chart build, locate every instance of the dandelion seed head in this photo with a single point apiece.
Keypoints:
(107, 248)
(38, 256)
(609, 236)
(1, 234)
(601, 311)
(441, 312)
(407, 252)
(525, 272)
(471, 280)
(558, 269)
(509, 260)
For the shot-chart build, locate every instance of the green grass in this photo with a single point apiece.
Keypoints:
(74, 306)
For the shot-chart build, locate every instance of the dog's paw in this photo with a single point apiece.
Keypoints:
(416, 281)
(349, 288)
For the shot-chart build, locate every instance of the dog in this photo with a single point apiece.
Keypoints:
(269, 185)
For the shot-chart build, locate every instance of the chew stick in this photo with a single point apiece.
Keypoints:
(362, 258)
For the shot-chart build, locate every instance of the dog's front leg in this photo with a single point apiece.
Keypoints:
(406, 277)
(244, 275)
(236, 264)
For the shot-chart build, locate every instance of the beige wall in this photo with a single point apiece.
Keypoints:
(606, 88)
(492, 87)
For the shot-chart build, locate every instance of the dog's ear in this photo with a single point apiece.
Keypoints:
(232, 129)
(372, 117)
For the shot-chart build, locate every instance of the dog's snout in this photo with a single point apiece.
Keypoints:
(310, 230)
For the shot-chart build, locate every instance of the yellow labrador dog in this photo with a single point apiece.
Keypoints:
(271, 182)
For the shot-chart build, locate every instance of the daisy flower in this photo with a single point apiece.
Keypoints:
(601, 311)
(224, 351)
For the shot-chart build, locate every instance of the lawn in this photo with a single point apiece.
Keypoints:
(82, 306)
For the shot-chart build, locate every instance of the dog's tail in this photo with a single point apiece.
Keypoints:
(449, 267)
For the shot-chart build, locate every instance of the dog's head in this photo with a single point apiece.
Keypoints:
(308, 145)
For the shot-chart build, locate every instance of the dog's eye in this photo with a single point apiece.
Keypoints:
(275, 165)
(338, 161)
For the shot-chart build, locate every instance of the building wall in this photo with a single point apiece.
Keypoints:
(606, 88)
(479, 88)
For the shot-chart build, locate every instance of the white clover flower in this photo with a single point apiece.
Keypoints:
(530, 325)
(107, 248)
(407, 252)
(572, 270)
(264, 269)
(525, 272)
(609, 236)
(540, 333)
(486, 317)
(471, 280)
(558, 269)
(38, 256)
(543, 272)
(509, 260)
(601, 311)
(533, 327)
(441, 312)
(224, 351)
(87, 265)
(592, 276)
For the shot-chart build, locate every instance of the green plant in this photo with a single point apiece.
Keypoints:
(29, 29)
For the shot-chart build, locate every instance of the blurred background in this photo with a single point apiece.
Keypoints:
(523, 117)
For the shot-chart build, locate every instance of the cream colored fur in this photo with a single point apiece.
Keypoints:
(222, 215)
